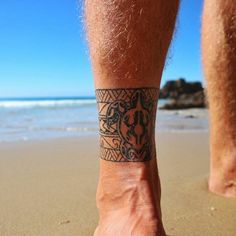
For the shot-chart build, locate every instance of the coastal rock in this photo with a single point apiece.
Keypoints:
(183, 95)
(173, 89)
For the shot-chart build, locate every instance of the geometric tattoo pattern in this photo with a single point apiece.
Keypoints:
(127, 123)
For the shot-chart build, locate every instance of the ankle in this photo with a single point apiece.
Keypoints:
(223, 161)
(140, 221)
(130, 206)
(222, 179)
(127, 186)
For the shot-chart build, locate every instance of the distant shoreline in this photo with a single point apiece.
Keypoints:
(39, 118)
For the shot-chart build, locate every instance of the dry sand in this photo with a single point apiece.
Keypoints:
(48, 188)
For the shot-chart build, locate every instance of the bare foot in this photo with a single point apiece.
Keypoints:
(222, 179)
(128, 200)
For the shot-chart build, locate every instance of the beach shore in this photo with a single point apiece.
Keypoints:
(48, 187)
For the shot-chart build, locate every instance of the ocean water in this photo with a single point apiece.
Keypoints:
(37, 118)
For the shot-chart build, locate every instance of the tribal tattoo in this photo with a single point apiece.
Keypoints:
(127, 123)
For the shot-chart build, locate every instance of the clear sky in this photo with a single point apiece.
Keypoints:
(43, 49)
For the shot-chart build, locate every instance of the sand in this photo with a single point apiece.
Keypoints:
(47, 188)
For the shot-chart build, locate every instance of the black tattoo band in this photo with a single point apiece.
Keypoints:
(127, 123)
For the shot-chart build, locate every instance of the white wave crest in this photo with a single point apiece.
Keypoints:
(45, 103)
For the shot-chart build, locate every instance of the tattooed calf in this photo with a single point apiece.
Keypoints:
(127, 123)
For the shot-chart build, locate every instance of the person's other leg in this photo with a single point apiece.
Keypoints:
(128, 42)
(219, 57)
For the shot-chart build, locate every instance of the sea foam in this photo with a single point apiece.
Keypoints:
(45, 103)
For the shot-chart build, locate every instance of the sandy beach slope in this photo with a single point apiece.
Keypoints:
(47, 188)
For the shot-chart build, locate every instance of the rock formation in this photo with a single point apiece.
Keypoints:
(183, 95)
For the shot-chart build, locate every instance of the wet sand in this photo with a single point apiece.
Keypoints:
(47, 188)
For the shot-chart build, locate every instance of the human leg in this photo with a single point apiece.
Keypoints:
(219, 57)
(128, 42)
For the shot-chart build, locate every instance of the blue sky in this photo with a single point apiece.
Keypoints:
(43, 50)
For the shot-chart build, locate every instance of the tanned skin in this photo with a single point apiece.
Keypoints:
(219, 57)
(128, 41)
